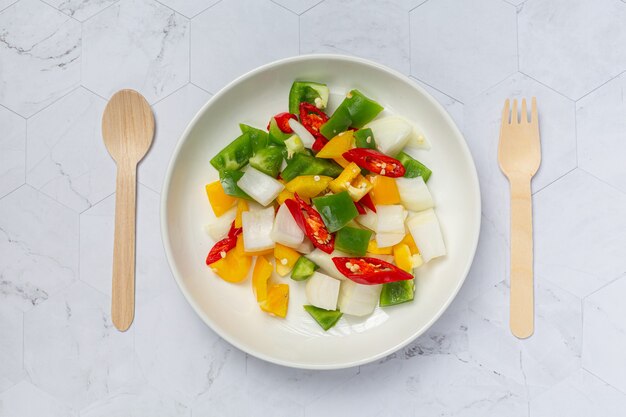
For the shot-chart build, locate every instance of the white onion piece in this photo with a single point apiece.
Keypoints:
(257, 229)
(390, 133)
(322, 291)
(417, 139)
(414, 193)
(259, 186)
(384, 240)
(358, 300)
(219, 227)
(390, 218)
(305, 136)
(426, 232)
(286, 231)
(325, 262)
(305, 247)
(369, 219)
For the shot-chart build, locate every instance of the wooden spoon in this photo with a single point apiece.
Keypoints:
(127, 129)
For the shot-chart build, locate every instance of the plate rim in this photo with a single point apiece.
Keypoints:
(165, 239)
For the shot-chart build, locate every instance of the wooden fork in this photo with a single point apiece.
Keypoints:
(519, 155)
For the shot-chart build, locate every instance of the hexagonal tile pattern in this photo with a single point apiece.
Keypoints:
(581, 395)
(67, 158)
(80, 10)
(12, 151)
(39, 50)
(72, 350)
(180, 355)
(555, 44)
(137, 44)
(189, 8)
(381, 34)
(26, 400)
(297, 6)
(452, 106)
(604, 327)
(136, 401)
(482, 130)
(601, 132)
(172, 115)
(479, 39)
(579, 247)
(245, 23)
(541, 361)
(6, 3)
(39, 246)
(11, 343)
(152, 273)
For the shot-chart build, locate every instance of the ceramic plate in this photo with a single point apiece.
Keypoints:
(297, 341)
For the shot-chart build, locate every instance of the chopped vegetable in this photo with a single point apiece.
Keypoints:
(325, 318)
(408, 240)
(358, 300)
(354, 111)
(322, 291)
(305, 136)
(286, 231)
(293, 145)
(276, 135)
(392, 134)
(336, 210)
(308, 92)
(376, 162)
(242, 206)
(369, 219)
(426, 232)
(417, 139)
(384, 191)
(413, 167)
(325, 262)
(286, 258)
(311, 223)
(260, 275)
(397, 292)
(337, 146)
(221, 248)
(282, 121)
(402, 257)
(388, 239)
(259, 186)
(277, 300)
(235, 155)
(352, 240)
(370, 271)
(312, 119)
(364, 138)
(218, 228)
(390, 219)
(351, 181)
(367, 201)
(305, 247)
(229, 179)
(373, 248)
(268, 160)
(284, 195)
(259, 139)
(414, 193)
(219, 200)
(234, 267)
(257, 229)
(302, 164)
(308, 185)
(319, 143)
(303, 269)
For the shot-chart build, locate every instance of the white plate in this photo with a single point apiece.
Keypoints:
(298, 341)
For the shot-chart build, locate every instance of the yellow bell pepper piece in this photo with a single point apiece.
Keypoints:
(402, 257)
(242, 206)
(286, 258)
(234, 267)
(408, 239)
(342, 161)
(351, 181)
(372, 247)
(336, 147)
(284, 195)
(260, 275)
(384, 191)
(277, 300)
(308, 185)
(260, 252)
(219, 200)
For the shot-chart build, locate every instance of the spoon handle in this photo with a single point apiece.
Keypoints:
(123, 293)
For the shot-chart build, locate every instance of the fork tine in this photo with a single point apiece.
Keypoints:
(514, 114)
(524, 116)
(533, 110)
(506, 111)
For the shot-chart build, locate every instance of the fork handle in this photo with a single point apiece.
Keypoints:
(522, 287)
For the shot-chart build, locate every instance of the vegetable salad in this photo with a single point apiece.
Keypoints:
(331, 201)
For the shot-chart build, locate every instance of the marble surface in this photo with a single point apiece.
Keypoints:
(61, 59)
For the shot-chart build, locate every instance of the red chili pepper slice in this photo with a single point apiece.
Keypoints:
(375, 161)
(224, 245)
(312, 119)
(311, 224)
(319, 144)
(359, 208)
(366, 200)
(370, 271)
(282, 121)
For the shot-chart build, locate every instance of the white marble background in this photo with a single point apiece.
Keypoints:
(61, 59)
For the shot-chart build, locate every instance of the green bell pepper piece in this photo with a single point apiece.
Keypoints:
(355, 110)
(258, 138)
(336, 210)
(413, 167)
(397, 292)
(303, 269)
(276, 135)
(353, 240)
(364, 138)
(235, 155)
(325, 318)
(307, 91)
(229, 184)
(268, 160)
(304, 164)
